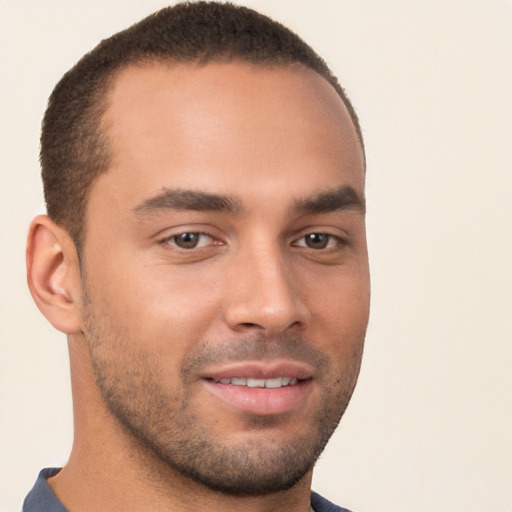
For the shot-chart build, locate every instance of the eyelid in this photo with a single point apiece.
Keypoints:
(170, 239)
(331, 230)
(332, 237)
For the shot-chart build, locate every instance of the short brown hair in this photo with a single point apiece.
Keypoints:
(74, 147)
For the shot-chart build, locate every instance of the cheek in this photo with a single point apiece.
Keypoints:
(167, 308)
(340, 311)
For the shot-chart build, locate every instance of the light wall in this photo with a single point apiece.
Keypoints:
(430, 425)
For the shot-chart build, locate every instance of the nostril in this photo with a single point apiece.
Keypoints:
(250, 325)
(272, 312)
(297, 325)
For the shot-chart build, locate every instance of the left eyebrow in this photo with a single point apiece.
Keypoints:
(342, 198)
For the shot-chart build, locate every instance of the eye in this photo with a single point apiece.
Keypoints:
(318, 241)
(190, 240)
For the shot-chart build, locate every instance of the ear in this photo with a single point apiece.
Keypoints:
(53, 274)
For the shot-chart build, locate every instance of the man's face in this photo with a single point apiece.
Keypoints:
(226, 286)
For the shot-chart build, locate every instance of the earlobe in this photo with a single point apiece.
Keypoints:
(53, 274)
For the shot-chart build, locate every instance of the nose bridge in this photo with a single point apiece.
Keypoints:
(264, 294)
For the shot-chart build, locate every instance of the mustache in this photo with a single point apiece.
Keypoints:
(253, 348)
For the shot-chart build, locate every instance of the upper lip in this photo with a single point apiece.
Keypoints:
(259, 370)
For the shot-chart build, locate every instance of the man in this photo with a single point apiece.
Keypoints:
(205, 254)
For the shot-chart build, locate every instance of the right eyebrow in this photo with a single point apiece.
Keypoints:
(178, 199)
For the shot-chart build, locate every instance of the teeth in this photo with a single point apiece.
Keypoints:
(256, 383)
(277, 382)
(274, 383)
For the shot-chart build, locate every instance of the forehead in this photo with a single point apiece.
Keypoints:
(227, 124)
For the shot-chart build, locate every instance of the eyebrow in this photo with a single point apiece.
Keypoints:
(342, 198)
(177, 199)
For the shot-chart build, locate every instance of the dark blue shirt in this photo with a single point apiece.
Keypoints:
(42, 499)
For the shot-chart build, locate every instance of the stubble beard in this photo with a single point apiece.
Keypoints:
(162, 421)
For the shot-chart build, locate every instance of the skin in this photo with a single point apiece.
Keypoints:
(151, 325)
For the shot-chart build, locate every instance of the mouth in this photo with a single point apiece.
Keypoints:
(261, 389)
(277, 382)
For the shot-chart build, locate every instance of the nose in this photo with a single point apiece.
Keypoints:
(265, 295)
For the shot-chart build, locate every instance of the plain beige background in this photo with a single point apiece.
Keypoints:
(430, 424)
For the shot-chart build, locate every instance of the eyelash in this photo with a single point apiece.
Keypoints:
(172, 240)
(332, 242)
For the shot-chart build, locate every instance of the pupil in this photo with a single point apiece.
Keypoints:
(187, 240)
(317, 240)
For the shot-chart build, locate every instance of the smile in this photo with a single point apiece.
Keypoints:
(261, 396)
(277, 382)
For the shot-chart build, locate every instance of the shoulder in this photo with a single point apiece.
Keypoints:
(41, 497)
(322, 505)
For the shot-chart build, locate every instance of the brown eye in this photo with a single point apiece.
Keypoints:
(317, 240)
(187, 240)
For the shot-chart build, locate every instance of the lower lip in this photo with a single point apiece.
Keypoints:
(261, 401)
